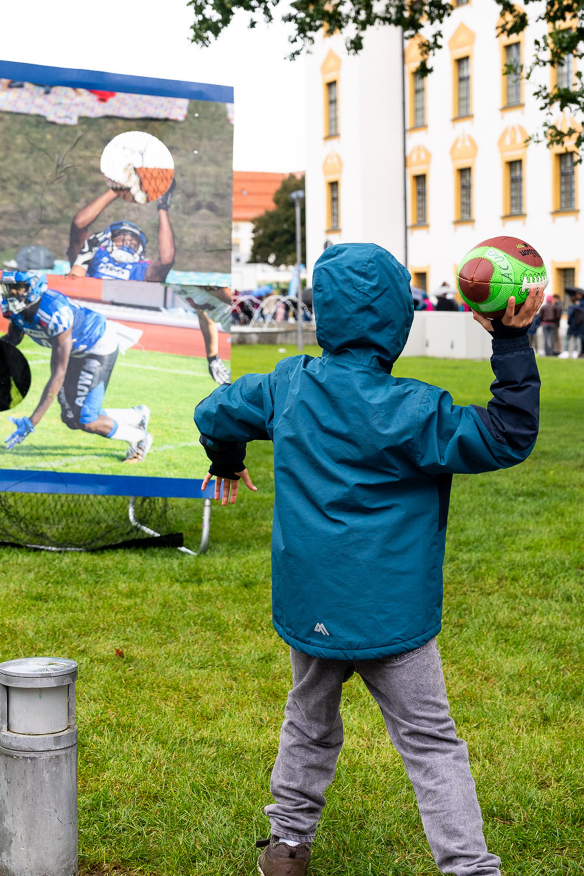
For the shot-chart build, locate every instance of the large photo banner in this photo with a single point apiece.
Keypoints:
(115, 251)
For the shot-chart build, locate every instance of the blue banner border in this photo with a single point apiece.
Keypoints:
(102, 81)
(24, 481)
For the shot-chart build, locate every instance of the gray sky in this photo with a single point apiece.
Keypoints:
(151, 38)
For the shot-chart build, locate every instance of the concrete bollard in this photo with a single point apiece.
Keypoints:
(38, 767)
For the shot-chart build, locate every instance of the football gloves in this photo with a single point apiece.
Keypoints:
(23, 428)
(164, 201)
(219, 371)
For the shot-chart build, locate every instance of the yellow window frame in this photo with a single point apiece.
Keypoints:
(563, 25)
(555, 274)
(418, 164)
(463, 154)
(412, 59)
(512, 147)
(415, 271)
(504, 41)
(564, 123)
(332, 171)
(330, 71)
(461, 45)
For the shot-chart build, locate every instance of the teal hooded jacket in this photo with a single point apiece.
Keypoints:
(363, 462)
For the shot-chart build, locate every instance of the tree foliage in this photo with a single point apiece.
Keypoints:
(274, 232)
(564, 20)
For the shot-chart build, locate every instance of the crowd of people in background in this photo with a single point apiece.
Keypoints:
(545, 325)
(445, 298)
(549, 319)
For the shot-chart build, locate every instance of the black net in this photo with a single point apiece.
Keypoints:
(63, 521)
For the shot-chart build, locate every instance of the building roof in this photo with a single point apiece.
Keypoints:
(253, 193)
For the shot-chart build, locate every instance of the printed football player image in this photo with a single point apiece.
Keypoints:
(119, 251)
(217, 367)
(84, 347)
(209, 319)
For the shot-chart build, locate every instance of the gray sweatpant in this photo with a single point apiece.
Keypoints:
(409, 689)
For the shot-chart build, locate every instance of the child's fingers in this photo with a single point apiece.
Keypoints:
(206, 480)
(538, 300)
(234, 489)
(244, 475)
(510, 310)
(482, 320)
(218, 483)
(531, 305)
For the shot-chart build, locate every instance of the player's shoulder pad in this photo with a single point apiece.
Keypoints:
(53, 300)
(56, 309)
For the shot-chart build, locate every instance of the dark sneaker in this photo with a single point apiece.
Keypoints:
(279, 859)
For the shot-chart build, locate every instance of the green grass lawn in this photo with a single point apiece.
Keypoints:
(178, 737)
(169, 384)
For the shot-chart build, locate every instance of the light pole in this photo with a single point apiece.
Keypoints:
(297, 197)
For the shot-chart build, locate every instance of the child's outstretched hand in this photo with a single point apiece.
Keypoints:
(522, 318)
(229, 486)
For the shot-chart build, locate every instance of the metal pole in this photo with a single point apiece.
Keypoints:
(38, 767)
(297, 197)
(404, 146)
(298, 263)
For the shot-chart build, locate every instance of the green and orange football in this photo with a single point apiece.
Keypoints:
(495, 270)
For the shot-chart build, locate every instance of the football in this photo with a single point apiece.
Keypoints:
(497, 269)
(138, 166)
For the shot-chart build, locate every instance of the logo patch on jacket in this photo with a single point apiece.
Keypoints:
(320, 628)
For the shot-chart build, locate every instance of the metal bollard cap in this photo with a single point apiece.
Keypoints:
(38, 672)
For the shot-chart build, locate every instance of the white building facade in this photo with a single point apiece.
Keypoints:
(469, 172)
(355, 168)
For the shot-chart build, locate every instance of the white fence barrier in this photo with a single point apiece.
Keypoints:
(447, 336)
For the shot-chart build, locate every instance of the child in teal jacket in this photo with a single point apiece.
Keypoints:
(363, 464)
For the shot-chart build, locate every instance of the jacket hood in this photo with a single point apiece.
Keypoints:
(362, 300)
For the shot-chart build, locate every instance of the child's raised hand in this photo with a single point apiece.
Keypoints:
(522, 318)
(230, 487)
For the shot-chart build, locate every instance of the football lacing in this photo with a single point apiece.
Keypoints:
(533, 282)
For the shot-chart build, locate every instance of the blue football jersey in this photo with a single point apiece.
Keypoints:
(103, 266)
(56, 314)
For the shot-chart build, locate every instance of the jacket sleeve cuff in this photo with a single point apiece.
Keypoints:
(227, 457)
(221, 471)
(510, 345)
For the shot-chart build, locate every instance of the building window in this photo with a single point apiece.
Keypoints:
(421, 215)
(463, 79)
(421, 280)
(419, 100)
(332, 108)
(333, 205)
(565, 72)
(515, 188)
(567, 278)
(465, 194)
(567, 186)
(513, 74)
